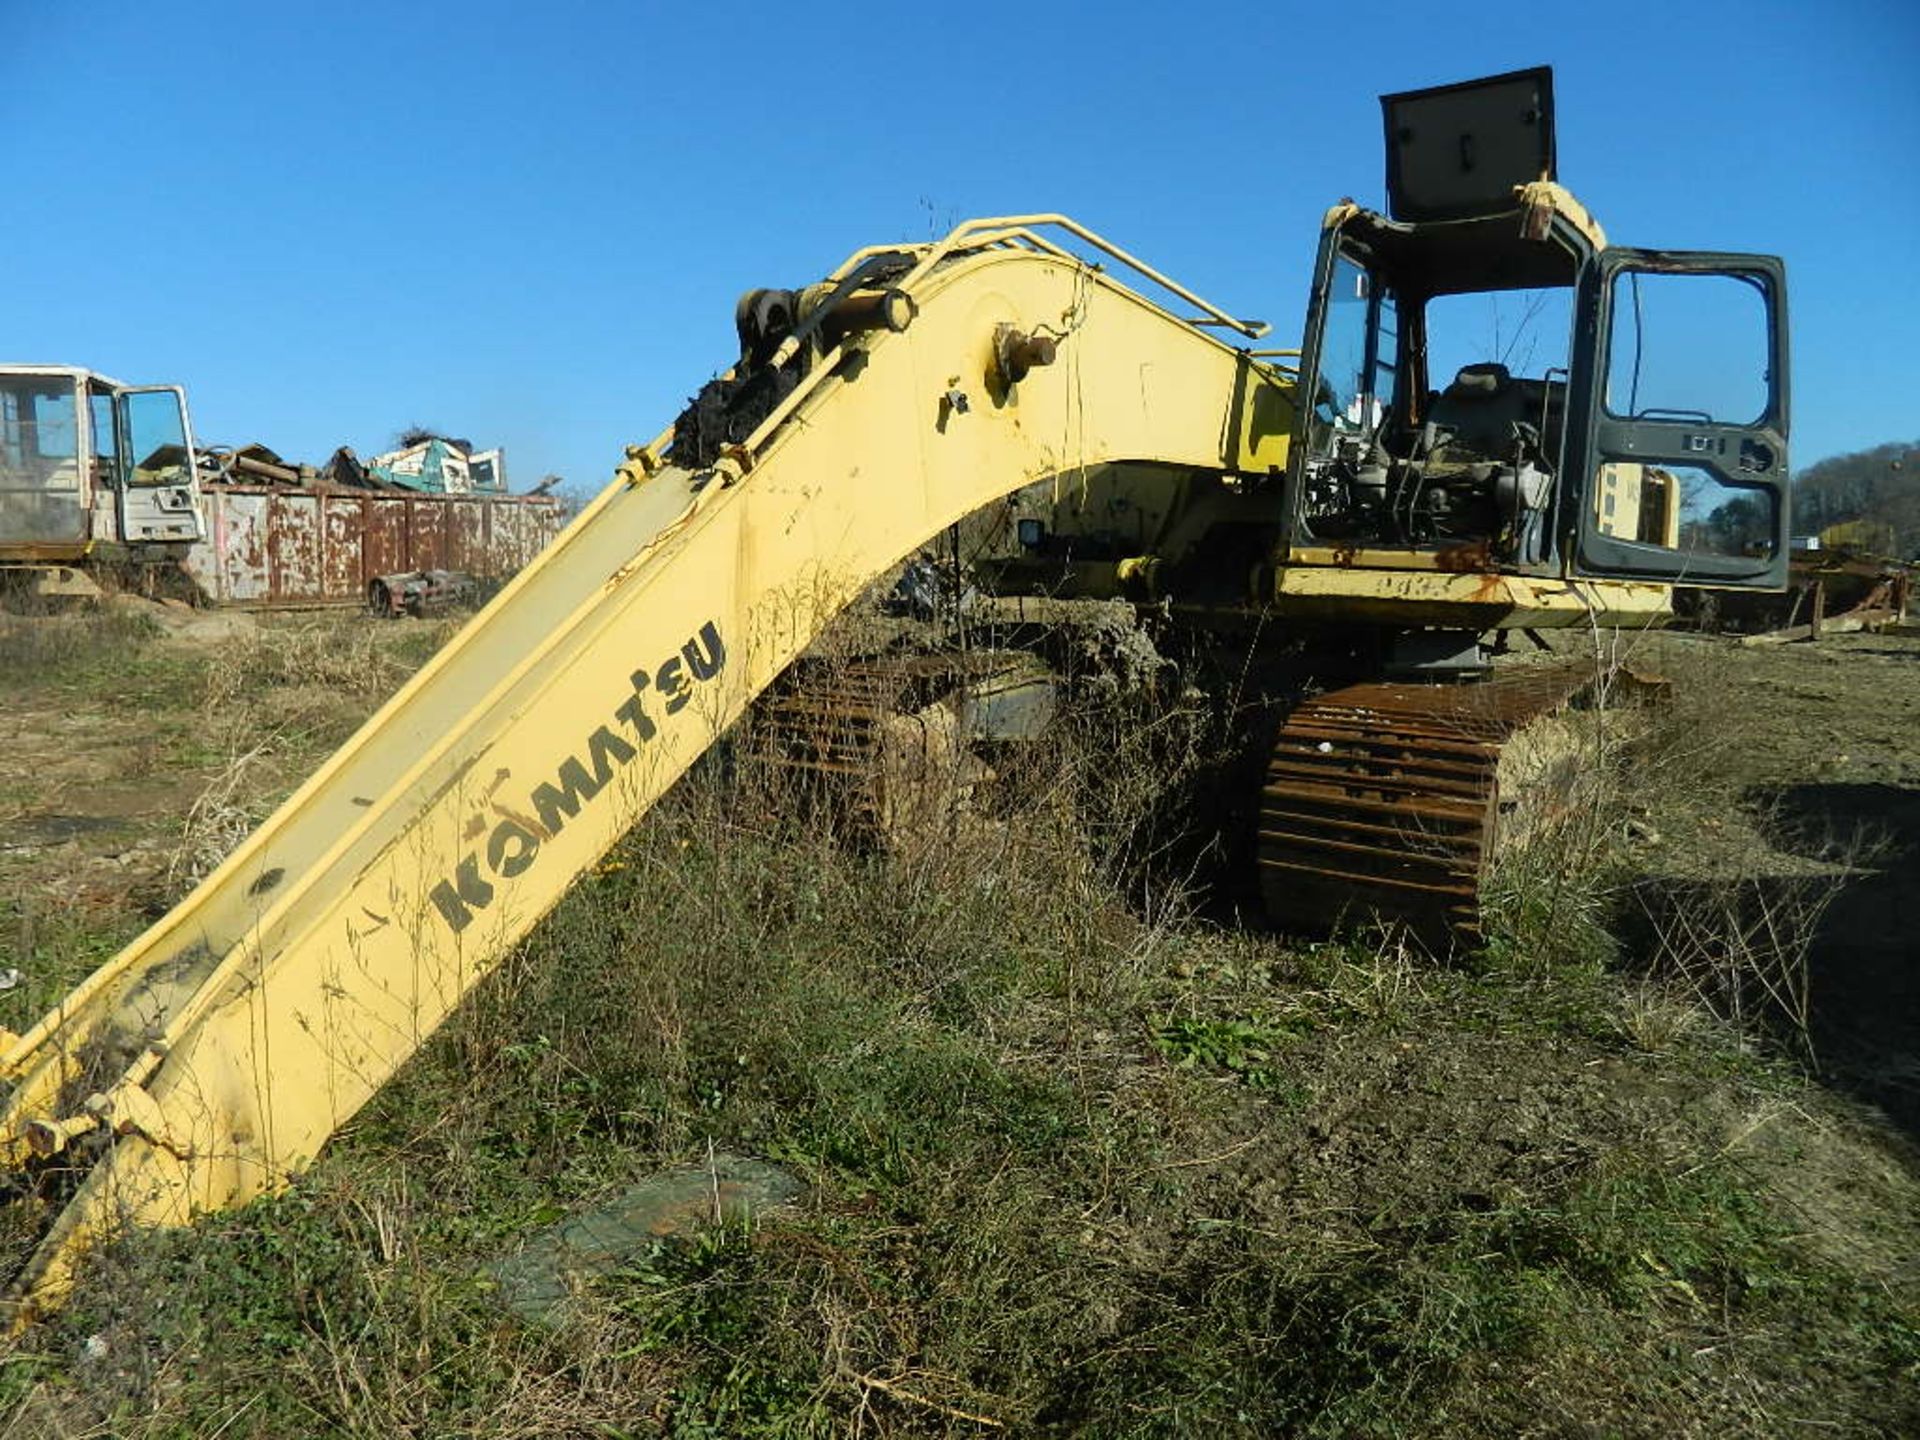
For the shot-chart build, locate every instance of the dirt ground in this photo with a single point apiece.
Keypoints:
(144, 741)
(1819, 775)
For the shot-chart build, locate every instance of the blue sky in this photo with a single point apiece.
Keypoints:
(527, 224)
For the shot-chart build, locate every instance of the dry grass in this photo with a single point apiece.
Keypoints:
(222, 815)
(1658, 1018)
(1077, 1162)
(347, 654)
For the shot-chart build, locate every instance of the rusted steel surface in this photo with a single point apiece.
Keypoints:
(1883, 606)
(1382, 800)
(276, 546)
(1828, 591)
(419, 592)
(884, 742)
(1884, 602)
(827, 724)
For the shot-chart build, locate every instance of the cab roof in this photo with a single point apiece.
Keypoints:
(1539, 237)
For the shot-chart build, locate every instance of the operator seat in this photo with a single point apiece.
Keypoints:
(1478, 411)
(1489, 447)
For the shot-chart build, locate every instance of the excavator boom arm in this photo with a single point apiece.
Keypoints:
(212, 1059)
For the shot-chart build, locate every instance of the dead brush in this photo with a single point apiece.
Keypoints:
(347, 654)
(1380, 973)
(1740, 946)
(1085, 831)
(1655, 1018)
(222, 816)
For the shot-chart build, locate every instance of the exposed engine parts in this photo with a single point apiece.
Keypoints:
(1480, 468)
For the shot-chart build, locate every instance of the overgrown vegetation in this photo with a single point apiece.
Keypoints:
(92, 653)
(1077, 1162)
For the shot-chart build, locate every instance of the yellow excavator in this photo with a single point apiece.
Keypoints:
(1496, 422)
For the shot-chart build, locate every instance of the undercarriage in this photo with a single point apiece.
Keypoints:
(1347, 803)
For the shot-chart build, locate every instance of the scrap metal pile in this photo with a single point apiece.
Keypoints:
(424, 463)
(412, 529)
(1833, 589)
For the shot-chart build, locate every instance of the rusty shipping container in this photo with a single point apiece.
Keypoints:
(272, 547)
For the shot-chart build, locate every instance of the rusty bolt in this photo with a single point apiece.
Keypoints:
(1017, 352)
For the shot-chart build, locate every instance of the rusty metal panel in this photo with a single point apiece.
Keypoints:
(505, 552)
(467, 525)
(505, 524)
(202, 562)
(293, 548)
(524, 530)
(245, 573)
(541, 523)
(427, 526)
(280, 545)
(386, 536)
(527, 537)
(343, 578)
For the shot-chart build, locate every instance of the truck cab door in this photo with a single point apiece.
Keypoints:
(1677, 435)
(159, 491)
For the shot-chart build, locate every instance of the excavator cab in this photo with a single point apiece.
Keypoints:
(1487, 385)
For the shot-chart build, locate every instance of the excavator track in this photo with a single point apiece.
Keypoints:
(825, 727)
(886, 744)
(1382, 800)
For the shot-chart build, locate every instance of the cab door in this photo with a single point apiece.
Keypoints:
(159, 489)
(1677, 443)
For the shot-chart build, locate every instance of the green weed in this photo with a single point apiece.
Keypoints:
(1242, 1048)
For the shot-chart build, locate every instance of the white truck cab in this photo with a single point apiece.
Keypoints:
(93, 473)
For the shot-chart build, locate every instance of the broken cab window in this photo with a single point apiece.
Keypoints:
(1525, 332)
(1688, 348)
